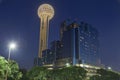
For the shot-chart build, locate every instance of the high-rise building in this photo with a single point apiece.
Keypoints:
(80, 43)
(50, 56)
(45, 13)
(56, 48)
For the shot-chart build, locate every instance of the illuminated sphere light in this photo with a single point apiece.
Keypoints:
(46, 10)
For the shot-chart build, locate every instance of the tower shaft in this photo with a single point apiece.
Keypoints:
(44, 33)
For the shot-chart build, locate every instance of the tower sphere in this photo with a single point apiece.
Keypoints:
(46, 10)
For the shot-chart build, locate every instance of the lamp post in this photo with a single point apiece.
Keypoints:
(11, 47)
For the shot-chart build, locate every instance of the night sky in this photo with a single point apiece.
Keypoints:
(19, 22)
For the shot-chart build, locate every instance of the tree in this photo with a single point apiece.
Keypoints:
(24, 72)
(95, 77)
(74, 73)
(10, 68)
(14, 74)
(68, 73)
(3, 67)
(55, 74)
(105, 75)
(38, 73)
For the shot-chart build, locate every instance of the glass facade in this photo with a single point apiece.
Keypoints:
(48, 56)
(56, 48)
(80, 42)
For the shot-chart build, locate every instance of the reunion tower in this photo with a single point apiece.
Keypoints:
(45, 13)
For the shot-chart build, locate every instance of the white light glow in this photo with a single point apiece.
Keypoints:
(12, 46)
(109, 68)
(67, 64)
(81, 65)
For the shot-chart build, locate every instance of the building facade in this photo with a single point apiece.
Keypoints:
(80, 43)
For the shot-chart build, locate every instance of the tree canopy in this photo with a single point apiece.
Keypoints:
(3, 67)
(67, 73)
(37, 73)
(10, 68)
(105, 75)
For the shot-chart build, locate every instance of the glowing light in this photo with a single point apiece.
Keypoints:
(12, 45)
(81, 65)
(109, 68)
(67, 64)
(87, 66)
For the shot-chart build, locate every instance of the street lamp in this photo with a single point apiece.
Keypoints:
(11, 46)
